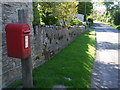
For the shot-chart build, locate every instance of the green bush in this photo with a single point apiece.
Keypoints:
(118, 27)
(90, 22)
(117, 18)
(75, 22)
(58, 23)
(36, 14)
(50, 20)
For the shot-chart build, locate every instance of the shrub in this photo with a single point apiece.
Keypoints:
(90, 21)
(118, 27)
(76, 22)
(58, 23)
(50, 20)
(117, 18)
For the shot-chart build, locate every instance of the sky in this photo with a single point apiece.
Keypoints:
(101, 7)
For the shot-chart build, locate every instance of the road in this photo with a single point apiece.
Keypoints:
(106, 65)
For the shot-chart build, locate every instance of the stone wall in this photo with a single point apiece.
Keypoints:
(45, 41)
(0, 46)
(11, 67)
(50, 40)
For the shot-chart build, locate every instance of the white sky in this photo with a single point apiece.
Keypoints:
(101, 7)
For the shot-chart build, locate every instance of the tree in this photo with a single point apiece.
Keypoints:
(51, 12)
(113, 12)
(46, 10)
(66, 11)
(108, 5)
(85, 8)
(36, 14)
(117, 18)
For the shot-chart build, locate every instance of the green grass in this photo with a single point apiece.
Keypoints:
(74, 62)
(17, 84)
(91, 27)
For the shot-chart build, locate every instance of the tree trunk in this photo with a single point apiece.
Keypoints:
(64, 22)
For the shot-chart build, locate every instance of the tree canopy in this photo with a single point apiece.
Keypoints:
(111, 15)
(85, 8)
(66, 11)
(52, 12)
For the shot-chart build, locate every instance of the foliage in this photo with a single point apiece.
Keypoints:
(65, 11)
(50, 13)
(76, 22)
(94, 15)
(90, 21)
(112, 14)
(117, 18)
(76, 63)
(85, 8)
(36, 13)
(49, 19)
(108, 5)
(46, 10)
(91, 27)
(17, 84)
(118, 27)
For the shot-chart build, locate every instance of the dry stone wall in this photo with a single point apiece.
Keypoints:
(45, 41)
(0, 46)
(48, 41)
(11, 67)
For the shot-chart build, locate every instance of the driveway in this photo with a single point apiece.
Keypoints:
(105, 72)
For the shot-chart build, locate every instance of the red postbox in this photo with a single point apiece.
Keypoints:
(18, 40)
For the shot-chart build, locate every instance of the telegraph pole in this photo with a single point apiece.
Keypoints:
(85, 12)
(119, 4)
(27, 62)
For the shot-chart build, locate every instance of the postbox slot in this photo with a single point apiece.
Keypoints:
(28, 31)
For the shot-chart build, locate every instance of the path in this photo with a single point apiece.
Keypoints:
(105, 73)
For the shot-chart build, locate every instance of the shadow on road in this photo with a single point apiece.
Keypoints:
(106, 68)
(99, 24)
(111, 74)
(108, 45)
(105, 28)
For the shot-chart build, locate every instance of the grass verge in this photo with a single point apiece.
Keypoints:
(17, 84)
(71, 67)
